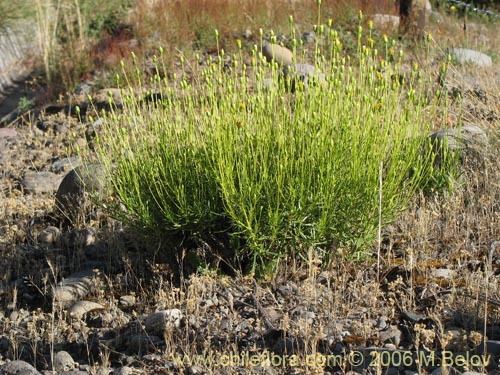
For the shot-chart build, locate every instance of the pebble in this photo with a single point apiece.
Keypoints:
(309, 37)
(443, 273)
(391, 335)
(81, 308)
(141, 343)
(63, 361)
(64, 164)
(156, 323)
(70, 196)
(49, 235)
(303, 74)
(195, 370)
(80, 143)
(103, 96)
(41, 182)
(125, 370)
(277, 53)
(385, 21)
(127, 301)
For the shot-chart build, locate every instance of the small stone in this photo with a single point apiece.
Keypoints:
(141, 343)
(277, 53)
(195, 370)
(127, 301)
(80, 143)
(81, 308)
(303, 74)
(391, 335)
(158, 322)
(385, 21)
(247, 34)
(125, 370)
(41, 182)
(66, 163)
(63, 361)
(309, 37)
(443, 273)
(74, 287)
(70, 196)
(18, 368)
(105, 95)
(49, 235)
(468, 56)
(382, 323)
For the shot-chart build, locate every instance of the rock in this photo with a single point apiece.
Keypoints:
(125, 370)
(385, 21)
(391, 335)
(49, 235)
(157, 323)
(80, 239)
(79, 309)
(103, 96)
(436, 17)
(443, 273)
(309, 37)
(65, 163)
(247, 34)
(73, 372)
(305, 74)
(80, 143)
(74, 287)
(40, 182)
(195, 370)
(464, 56)
(492, 347)
(63, 361)
(445, 370)
(71, 194)
(277, 53)
(141, 343)
(18, 368)
(8, 133)
(127, 301)
(469, 140)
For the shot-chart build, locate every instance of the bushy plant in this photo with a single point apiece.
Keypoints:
(228, 150)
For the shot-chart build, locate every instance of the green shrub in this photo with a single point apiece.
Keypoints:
(280, 172)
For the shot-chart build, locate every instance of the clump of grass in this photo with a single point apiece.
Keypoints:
(280, 172)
